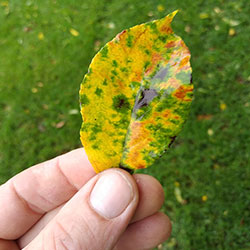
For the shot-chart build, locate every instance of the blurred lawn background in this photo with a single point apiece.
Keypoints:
(45, 49)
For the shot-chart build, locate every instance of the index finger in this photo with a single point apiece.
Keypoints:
(39, 189)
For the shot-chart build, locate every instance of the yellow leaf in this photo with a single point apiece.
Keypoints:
(204, 198)
(74, 32)
(210, 132)
(178, 196)
(34, 90)
(40, 36)
(5, 4)
(223, 106)
(177, 184)
(136, 96)
(204, 16)
(232, 32)
(160, 8)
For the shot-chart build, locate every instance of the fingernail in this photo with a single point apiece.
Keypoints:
(111, 195)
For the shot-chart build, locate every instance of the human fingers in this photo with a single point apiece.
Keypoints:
(38, 227)
(95, 217)
(151, 198)
(39, 189)
(8, 245)
(145, 234)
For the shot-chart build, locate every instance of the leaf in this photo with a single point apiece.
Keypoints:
(206, 117)
(135, 96)
(178, 196)
(223, 106)
(74, 32)
(60, 124)
(40, 36)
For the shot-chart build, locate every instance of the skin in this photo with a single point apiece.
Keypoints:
(48, 207)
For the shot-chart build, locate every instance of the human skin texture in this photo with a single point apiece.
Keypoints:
(53, 204)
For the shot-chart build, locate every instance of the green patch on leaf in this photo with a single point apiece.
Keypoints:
(121, 103)
(104, 52)
(98, 92)
(84, 99)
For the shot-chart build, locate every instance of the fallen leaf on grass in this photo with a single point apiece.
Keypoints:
(160, 8)
(74, 32)
(34, 90)
(160, 247)
(97, 45)
(205, 117)
(40, 84)
(204, 16)
(27, 29)
(204, 198)
(187, 28)
(111, 25)
(223, 106)
(231, 22)
(59, 124)
(210, 132)
(217, 10)
(231, 32)
(40, 36)
(150, 13)
(4, 4)
(73, 112)
(178, 196)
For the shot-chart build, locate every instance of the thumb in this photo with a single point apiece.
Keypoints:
(95, 217)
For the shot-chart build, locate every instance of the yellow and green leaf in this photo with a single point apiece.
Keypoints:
(136, 96)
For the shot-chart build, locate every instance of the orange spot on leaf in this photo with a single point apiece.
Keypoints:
(181, 92)
(121, 84)
(166, 29)
(137, 77)
(156, 57)
(170, 44)
(120, 35)
(184, 61)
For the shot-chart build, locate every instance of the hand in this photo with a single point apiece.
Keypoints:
(63, 204)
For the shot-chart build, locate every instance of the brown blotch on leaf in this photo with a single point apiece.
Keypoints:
(166, 29)
(182, 91)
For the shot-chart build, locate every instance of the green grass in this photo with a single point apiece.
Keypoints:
(39, 83)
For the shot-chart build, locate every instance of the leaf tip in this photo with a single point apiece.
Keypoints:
(173, 14)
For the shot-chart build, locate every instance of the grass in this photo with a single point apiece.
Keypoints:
(206, 173)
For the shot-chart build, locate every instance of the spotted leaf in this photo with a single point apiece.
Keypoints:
(136, 96)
